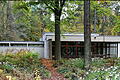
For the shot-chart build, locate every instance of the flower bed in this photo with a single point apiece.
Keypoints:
(101, 69)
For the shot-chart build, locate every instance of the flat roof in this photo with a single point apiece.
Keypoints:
(80, 37)
(21, 42)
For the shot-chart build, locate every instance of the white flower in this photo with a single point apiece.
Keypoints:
(87, 72)
(80, 78)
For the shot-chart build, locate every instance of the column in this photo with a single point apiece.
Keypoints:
(118, 49)
(50, 48)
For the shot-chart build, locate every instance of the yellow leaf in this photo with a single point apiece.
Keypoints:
(9, 77)
(1, 71)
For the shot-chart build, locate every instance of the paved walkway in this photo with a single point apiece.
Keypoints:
(55, 75)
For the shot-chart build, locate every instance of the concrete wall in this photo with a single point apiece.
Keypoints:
(37, 47)
(118, 49)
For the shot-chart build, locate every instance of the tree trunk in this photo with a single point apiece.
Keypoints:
(87, 34)
(95, 21)
(57, 36)
(56, 7)
(10, 24)
(11, 31)
(57, 31)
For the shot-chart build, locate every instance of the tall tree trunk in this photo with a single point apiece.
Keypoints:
(57, 37)
(87, 34)
(56, 7)
(57, 31)
(95, 21)
(11, 31)
(58, 11)
(9, 21)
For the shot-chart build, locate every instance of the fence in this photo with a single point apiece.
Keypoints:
(14, 47)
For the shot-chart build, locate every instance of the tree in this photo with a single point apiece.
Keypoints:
(31, 19)
(10, 26)
(8, 31)
(102, 17)
(56, 6)
(74, 17)
(87, 34)
(2, 19)
(58, 11)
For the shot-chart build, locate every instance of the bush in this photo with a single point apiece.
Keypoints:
(76, 63)
(111, 73)
(70, 68)
(101, 69)
(22, 59)
(98, 63)
(23, 62)
(44, 73)
(63, 70)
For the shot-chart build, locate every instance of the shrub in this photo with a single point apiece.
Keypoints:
(101, 69)
(98, 63)
(63, 70)
(44, 73)
(70, 68)
(23, 62)
(76, 63)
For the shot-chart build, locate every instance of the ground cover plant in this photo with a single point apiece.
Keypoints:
(101, 69)
(23, 65)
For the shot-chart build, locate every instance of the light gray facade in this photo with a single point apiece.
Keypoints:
(80, 38)
(37, 47)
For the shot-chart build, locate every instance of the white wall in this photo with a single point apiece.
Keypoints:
(118, 49)
(46, 54)
(37, 49)
(46, 44)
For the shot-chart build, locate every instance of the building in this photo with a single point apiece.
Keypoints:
(73, 45)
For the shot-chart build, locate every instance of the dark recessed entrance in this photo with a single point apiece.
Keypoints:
(75, 49)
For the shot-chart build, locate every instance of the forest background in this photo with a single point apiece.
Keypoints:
(27, 21)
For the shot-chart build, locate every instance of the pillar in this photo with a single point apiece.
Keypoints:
(118, 49)
(50, 48)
